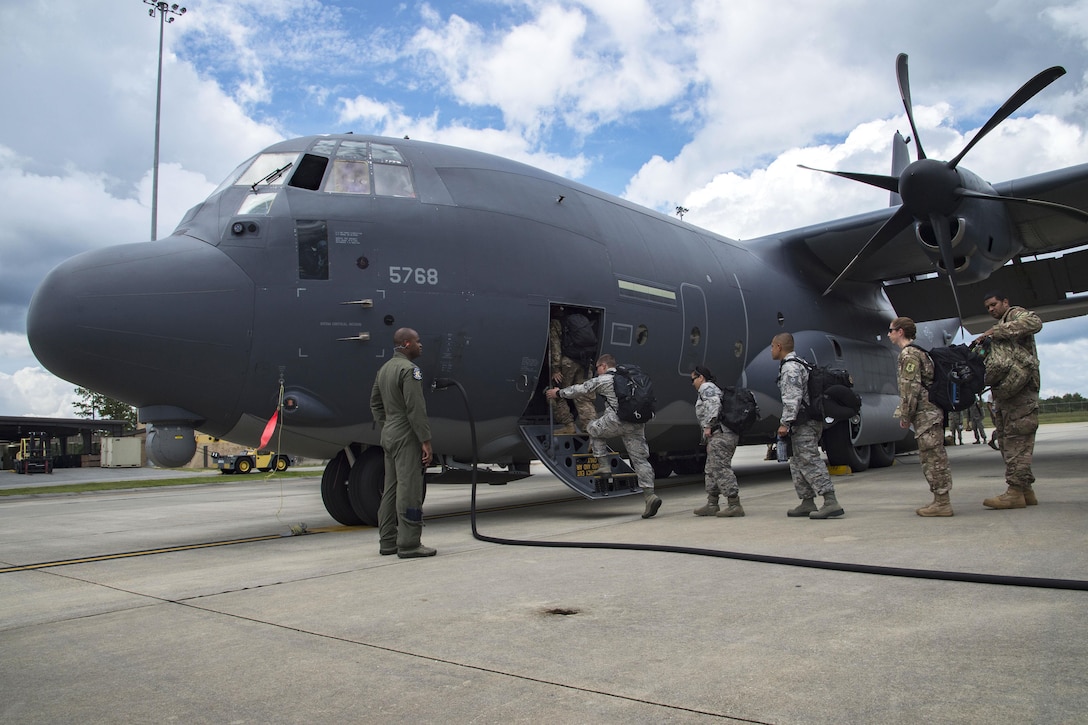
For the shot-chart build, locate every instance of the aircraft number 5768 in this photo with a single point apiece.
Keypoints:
(413, 275)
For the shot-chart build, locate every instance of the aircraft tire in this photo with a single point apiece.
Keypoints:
(334, 491)
(366, 483)
(881, 455)
(841, 450)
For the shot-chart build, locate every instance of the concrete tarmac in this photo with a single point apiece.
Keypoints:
(196, 604)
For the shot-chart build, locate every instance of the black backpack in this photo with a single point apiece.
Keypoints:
(634, 394)
(831, 395)
(959, 376)
(739, 410)
(579, 341)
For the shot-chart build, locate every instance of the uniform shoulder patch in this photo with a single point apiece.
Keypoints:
(910, 366)
(416, 373)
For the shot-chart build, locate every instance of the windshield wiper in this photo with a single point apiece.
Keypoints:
(271, 177)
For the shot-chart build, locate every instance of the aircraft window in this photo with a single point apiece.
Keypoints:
(642, 335)
(383, 153)
(264, 166)
(325, 147)
(352, 151)
(392, 180)
(233, 177)
(696, 335)
(256, 203)
(313, 249)
(350, 177)
(309, 172)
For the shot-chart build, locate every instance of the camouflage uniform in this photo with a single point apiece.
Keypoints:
(915, 408)
(720, 446)
(573, 373)
(955, 425)
(396, 402)
(978, 425)
(1017, 417)
(608, 425)
(810, 476)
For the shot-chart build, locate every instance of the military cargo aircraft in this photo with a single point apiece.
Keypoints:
(282, 290)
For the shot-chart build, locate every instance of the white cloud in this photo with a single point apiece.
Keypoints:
(587, 89)
(33, 391)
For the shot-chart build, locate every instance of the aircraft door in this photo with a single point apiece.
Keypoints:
(693, 340)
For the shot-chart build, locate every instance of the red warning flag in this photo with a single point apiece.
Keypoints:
(269, 429)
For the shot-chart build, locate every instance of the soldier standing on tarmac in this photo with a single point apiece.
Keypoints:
(608, 425)
(1016, 418)
(915, 408)
(721, 444)
(810, 476)
(396, 401)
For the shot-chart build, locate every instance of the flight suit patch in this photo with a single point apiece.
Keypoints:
(416, 373)
(910, 367)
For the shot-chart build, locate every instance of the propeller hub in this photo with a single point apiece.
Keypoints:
(929, 187)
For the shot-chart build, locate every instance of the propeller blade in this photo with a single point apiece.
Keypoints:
(1072, 211)
(888, 183)
(896, 223)
(904, 93)
(1022, 96)
(944, 243)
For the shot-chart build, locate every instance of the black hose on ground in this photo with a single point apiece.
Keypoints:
(955, 576)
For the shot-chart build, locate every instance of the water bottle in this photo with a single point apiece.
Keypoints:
(782, 450)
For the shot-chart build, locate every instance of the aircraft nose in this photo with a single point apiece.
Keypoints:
(155, 323)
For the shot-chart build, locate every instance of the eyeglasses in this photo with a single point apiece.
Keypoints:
(894, 329)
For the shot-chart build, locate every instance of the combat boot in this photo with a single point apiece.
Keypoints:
(417, 552)
(829, 509)
(1011, 499)
(733, 508)
(711, 507)
(653, 503)
(1029, 497)
(941, 506)
(804, 508)
(565, 430)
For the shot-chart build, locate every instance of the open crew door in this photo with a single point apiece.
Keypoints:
(568, 456)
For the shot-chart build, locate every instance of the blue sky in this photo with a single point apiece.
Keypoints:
(708, 104)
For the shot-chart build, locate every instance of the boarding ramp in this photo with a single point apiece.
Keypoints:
(570, 459)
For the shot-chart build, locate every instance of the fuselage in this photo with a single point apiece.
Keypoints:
(288, 282)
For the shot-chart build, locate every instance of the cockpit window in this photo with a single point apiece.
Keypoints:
(383, 153)
(393, 180)
(360, 167)
(325, 147)
(264, 169)
(258, 203)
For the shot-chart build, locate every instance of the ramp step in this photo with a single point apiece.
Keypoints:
(568, 457)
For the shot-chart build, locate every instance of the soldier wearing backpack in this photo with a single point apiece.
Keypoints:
(810, 476)
(721, 444)
(916, 409)
(609, 425)
(570, 339)
(1016, 415)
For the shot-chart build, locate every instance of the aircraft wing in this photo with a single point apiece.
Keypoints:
(1046, 267)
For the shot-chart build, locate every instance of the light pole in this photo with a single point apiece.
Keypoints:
(166, 11)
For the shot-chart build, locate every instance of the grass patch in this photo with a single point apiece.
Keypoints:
(150, 483)
(1075, 416)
